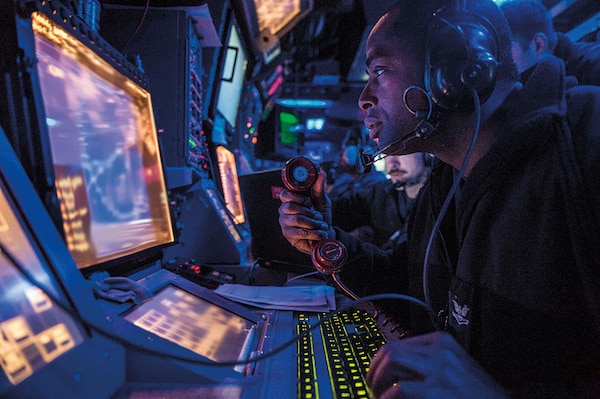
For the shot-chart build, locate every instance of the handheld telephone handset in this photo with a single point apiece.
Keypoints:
(328, 256)
(298, 175)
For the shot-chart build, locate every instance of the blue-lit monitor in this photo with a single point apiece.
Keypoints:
(233, 73)
(315, 124)
(105, 153)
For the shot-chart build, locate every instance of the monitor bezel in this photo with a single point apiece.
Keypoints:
(57, 276)
(32, 144)
(264, 40)
(231, 23)
(230, 186)
(251, 338)
(305, 7)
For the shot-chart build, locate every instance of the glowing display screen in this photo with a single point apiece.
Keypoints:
(231, 185)
(216, 201)
(274, 15)
(287, 122)
(105, 151)
(232, 78)
(198, 325)
(34, 330)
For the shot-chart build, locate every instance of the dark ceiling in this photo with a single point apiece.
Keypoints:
(326, 50)
(332, 36)
(579, 19)
(327, 46)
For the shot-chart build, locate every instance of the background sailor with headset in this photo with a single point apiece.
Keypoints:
(503, 239)
(345, 177)
(379, 214)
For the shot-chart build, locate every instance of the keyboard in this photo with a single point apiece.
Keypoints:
(343, 346)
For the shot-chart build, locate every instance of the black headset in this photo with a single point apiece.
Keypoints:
(428, 159)
(461, 55)
(355, 133)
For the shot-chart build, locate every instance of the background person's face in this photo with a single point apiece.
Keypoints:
(405, 169)
(523, 59)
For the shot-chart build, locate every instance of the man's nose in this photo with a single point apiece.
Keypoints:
(366, 100)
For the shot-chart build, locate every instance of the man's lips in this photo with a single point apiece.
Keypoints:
(374, 126)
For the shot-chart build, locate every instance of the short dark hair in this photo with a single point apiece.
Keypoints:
(416, 16)
(526, 18)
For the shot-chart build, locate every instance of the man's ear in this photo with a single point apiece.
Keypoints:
(540, 44)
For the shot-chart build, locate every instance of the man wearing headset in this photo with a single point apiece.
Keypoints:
(502, 254)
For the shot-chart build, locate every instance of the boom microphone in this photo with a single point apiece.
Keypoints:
(426, 126)
(365, 160)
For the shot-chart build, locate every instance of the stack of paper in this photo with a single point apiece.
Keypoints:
(310, 298)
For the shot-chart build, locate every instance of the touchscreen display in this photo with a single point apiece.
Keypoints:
(196, 324)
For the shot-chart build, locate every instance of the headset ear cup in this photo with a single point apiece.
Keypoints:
(480, 75)
(461, 55)
(446, 87)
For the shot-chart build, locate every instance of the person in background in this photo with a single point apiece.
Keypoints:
(380, 213)
(348, 179)
(501, 269)
(534, 37)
